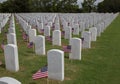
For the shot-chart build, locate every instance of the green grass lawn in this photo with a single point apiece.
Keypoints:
(99, 65)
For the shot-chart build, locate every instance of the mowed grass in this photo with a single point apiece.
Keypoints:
(99, 65)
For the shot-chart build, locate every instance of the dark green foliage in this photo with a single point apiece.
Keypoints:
(88, 6)
(109, 6)
(39, 6)
(14, 6)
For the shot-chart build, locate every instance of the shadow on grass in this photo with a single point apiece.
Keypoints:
(32, 83)
(31, 52)
(2, 65)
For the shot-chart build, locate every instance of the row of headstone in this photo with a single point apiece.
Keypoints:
(11, 53)
(55, 57)
(77, 22)
(11, 49)
(11, 36)
(87, 36)
(4, 17)
(40, 45)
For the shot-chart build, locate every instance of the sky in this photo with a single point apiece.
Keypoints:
(2, 0)
(79, 2)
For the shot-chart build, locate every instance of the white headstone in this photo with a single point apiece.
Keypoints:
(76, 29)
(93, 31)
(57, 26)
(0, 30)
(11, 57)
(86, 35)
(76, 45)
(28, 28)
(99, 29)
(11, 30)
(11, 38)
(47, 31)
(32, 35)
(9, 80)
(102, 26)
(40, 45)
(50, 24)
(82, 26)
(40, 26)
(56, 39)
(68, 32)
(55, 64)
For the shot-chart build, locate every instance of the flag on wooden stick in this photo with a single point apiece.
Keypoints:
(30, 45)
(82, 40)
(49, 38)
(63, 33)
(41, 31)
(2, 45)
(25, 36)
(67, 48)
(42, 73)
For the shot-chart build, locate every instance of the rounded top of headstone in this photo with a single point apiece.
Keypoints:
(9, 80)
(56, 30)
(93, 28)
(38, 36)
(12, 45)
(75, 38)
(11, 34)
(55, 50)
(33, 29)
(86, 32)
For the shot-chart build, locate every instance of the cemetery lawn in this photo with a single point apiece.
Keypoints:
(99, 65)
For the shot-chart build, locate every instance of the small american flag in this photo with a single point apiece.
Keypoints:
(2, 45)
(46, 24)
(41, 31)
(30, 45)
(68, 24)
(42, 73)
(63, 33)
(25, 36)
(49, 38)
(53, 27)
(82, 40)
(72, 29)
(67, 48)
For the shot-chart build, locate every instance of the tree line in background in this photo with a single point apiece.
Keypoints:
(109, 6)
(63, 6)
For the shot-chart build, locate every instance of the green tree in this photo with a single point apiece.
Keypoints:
(13, 6)
(40, 6)
(109, 6)
(88, 6)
